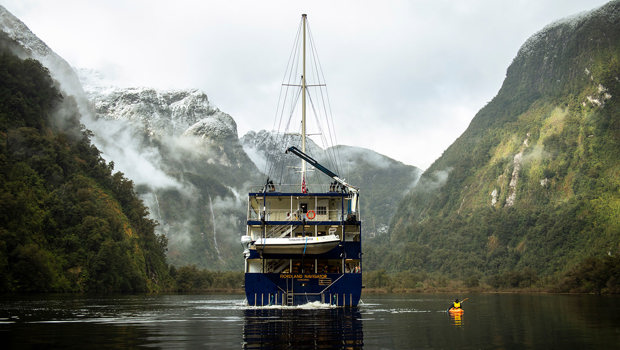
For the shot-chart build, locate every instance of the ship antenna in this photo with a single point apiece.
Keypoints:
(303, 106)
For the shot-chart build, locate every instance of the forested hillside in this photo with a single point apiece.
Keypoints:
(67, 222)
(529, 194)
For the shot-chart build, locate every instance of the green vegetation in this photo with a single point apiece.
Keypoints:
(529, 195)
(190, 279)
(598, 275)
(67, 223)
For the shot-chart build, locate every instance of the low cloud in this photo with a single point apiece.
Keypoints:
(433, 181)
(121, 143)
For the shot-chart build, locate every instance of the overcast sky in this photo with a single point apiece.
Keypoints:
(405, 78)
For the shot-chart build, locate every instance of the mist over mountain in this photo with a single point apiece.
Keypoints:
(530, 191)
(16, 38)
(189, 167)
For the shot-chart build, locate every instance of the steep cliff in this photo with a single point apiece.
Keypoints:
(533, 183)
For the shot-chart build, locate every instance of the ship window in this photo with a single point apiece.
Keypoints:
(321, 210)
(303, 207)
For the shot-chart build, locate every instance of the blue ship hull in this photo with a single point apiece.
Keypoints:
(264, 289)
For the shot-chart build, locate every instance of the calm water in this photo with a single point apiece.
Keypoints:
(381, 322)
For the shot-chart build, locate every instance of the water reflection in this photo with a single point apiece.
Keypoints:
(457, 319)
(295, 328)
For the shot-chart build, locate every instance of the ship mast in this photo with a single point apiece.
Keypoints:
(303, 106)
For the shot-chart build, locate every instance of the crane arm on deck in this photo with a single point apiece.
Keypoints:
(352, 189)
(317, 165)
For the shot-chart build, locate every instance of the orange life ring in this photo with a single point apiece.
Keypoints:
(310, 212)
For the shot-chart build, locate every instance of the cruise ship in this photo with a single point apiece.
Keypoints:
(303, 242)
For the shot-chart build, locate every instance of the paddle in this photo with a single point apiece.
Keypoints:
(461, 302)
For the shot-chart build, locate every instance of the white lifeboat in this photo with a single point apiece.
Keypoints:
(297, 245)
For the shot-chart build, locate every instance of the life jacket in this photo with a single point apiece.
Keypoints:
(457, 305)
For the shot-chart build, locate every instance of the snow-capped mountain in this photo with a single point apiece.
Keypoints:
(166, 113)
(159, 112)
(193, 149)
(265, 146)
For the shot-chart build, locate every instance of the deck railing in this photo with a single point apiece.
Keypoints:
(296, 188)
(287, 215)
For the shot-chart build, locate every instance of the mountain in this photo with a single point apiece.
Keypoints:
(531, 190)
(67, 223)
(186, 160)
(182, 154)
(383, 181)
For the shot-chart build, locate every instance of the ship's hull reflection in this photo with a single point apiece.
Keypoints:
(298, 328)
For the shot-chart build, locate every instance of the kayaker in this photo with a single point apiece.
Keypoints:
(456, 304)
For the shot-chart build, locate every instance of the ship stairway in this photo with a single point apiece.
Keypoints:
(290, 297)
(277, 266)
(287, 231)
(280, 231)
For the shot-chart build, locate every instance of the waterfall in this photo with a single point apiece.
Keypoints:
(217, 249)
(157, 204)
